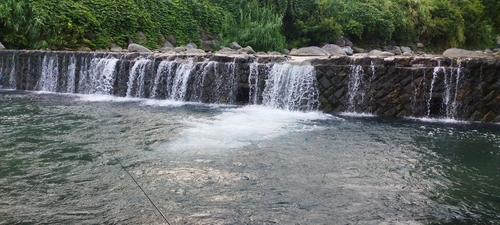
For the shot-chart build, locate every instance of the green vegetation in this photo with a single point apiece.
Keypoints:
(263, 24)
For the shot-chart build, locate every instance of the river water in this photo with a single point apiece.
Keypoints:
(60, 161)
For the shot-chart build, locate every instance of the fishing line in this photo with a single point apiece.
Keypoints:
(157, 209)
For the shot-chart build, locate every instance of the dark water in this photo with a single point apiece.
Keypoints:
(212, 164)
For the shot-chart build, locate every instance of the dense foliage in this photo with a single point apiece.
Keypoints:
(262, 24)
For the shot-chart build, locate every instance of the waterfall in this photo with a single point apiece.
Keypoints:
(138, 71)
(163, 73)
(50, 73)
(12, 77)
(180, 80)
(97, 75)
(253, 83)
(291, 87)
(434, 77)
(199, 80)
(70, 88)
(356, 92)
(451, 85)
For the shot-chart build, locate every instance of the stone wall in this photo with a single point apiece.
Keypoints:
(462, 89)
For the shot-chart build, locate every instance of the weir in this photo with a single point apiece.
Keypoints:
(435, 87)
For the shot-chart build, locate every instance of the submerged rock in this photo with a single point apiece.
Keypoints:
(309, 51)
(137, 48)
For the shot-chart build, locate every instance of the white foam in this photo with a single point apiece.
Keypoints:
(355, 114)
(437, 120)
(165, 103)
(238, 127)
(106, 98)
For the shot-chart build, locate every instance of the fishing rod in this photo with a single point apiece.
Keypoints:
(157, 209)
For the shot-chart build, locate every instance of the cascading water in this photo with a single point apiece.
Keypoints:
(291, 87)
(163, 75)
(70, 88)
(356, 90)
(50, 74)
(138, 72)
(451, 84)
(97, 76)
(253, 83)
(180, 80)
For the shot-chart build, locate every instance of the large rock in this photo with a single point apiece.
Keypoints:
(137, 48)
(1, 46)
(309, 51)
(247, 50)
(226, 50)
(209, 45)
(115, 48)
(462, 53)
(334, 49)
(171, 39)
(191, 46)
(141, 36)
(195, 51)
(406, 49)
(343, 41)
(235, 46)
(348, 50)
(378, 53)
(168, 45)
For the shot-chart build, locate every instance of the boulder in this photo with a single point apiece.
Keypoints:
(420, 45)
(378, 53)
(195, 51)
(85, 49)
(358, 50)
(343, 41)
(137, 48)
(235, 46)
(286, 51)
(407, 54)
(141, 36)
(310, 51)
(406, 49)
(166, 49)
(247, 50)
(180, 49)
(1, 46)
(168, 44)
(348, 50)
(334, 49)
(209, 45)
(171, 39)
(226, 50)
(191, 46)
(273, 53)
(115, 48)
(462, 53)
(397, 51)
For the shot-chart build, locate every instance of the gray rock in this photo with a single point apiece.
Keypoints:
(168, 44)
(195, 51)
(334, 49)
(379, 53)
(358, 50)
(1, 46)
(209, 45)
(310, 51)
(141, 36)
(226, 50)
(137, 48)
(115, 48)
(166, 49)
(180, 49)
(397, 51)
(407, 54)
(406, 49)
(235, 46)
(191, 46)
(247, 50)
(286, 51)
(348, 50)
(171, 39)
(462, 53)
(85, 49)
(273, 53)
(343, 41)
(420, 45)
